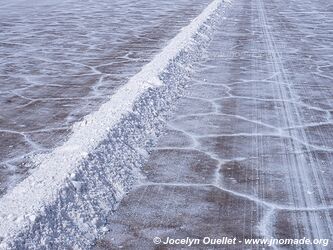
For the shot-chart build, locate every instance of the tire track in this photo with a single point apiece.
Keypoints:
(300, 169)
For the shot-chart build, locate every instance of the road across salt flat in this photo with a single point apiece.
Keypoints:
(249, 151)
(60, 60)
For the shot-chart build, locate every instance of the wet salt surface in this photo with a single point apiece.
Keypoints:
(59, 60)
(249, 151)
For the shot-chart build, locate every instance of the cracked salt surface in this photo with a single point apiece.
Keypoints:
(60, 60)
(65, 200)
(248, 152)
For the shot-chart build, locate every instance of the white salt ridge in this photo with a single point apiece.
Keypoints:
(36, 200)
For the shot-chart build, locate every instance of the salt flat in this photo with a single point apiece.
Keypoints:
(248, 152)
(60, 60)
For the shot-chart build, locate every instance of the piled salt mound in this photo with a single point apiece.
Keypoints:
(64, 202)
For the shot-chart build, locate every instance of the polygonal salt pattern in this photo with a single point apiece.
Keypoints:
(256, 122)
(60, 60)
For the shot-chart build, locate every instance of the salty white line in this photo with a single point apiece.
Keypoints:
(271, 205)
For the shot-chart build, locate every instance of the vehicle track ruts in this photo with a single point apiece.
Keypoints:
(303, 171)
